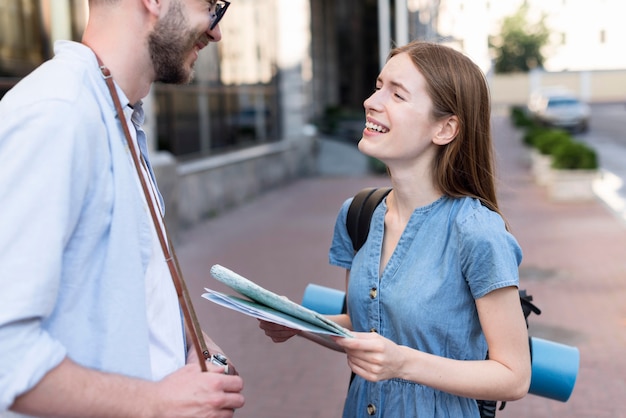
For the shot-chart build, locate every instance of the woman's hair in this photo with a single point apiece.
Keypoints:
(456, 86)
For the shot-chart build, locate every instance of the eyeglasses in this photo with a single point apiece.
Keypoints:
(219, 9)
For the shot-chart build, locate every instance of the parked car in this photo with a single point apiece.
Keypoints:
(559, 108)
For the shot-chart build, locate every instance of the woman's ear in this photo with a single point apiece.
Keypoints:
(449, 129)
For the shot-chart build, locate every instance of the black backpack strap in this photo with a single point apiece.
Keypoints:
(360, 213)
(527, 306)
(358, 220)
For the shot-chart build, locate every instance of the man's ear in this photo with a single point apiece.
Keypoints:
(153, 6)
(448, 130)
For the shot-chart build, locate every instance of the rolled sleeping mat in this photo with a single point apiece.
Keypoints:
(554, 369)
(554, 366)
(324, 300)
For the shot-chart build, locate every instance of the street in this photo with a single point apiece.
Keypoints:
(607, 135)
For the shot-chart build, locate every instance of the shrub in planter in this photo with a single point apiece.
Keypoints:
(531, 134)
(574, 170)
(546, 142)
(574, 156)
(520, 117)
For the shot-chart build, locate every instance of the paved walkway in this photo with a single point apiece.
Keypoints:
(574, 266)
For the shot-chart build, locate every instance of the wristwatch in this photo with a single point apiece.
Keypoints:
(221, 360)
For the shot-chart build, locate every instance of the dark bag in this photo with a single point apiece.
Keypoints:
(358, 224)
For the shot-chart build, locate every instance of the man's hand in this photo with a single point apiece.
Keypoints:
(70, 390)
(189, 392)
(192, 355)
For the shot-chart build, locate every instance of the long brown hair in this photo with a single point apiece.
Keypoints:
(456, 86)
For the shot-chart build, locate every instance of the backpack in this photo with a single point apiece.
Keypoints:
(358, 224)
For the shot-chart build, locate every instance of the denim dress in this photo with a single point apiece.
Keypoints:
(452, 251)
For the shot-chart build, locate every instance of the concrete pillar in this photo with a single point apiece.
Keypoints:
(294, 60)
(402, 22)
(585, 86)
(401, 17)
(60, 18)
(384, 31)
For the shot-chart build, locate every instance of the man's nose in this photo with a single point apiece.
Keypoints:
(215, 34)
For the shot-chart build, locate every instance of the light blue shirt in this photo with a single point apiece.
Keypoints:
(451, 252)
(75, 239)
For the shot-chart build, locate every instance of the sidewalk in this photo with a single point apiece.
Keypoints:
(574, 267)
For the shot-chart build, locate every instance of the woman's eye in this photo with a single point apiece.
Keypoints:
(399, 96)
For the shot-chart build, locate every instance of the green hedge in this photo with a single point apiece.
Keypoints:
(547, 141)
(531, 134)
(574, 155)
(520, 117)
(566, 152)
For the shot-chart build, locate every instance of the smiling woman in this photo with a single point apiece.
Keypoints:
(433, 288)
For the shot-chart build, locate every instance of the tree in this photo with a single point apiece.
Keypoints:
(518, 46)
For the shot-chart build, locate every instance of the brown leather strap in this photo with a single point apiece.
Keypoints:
(168, 250)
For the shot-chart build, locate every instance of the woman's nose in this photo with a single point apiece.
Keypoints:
(371, 101)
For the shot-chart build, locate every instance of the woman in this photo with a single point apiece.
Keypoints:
(435, 284)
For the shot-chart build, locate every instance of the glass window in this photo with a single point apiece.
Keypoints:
(23, 43)
(233, 101)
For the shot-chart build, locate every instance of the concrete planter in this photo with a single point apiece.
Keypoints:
(572, 185)
(541, 167)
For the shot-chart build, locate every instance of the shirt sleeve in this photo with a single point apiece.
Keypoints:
(40, 197)
(341, 251)
(490, 255)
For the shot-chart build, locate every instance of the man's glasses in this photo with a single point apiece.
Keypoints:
(219, 9)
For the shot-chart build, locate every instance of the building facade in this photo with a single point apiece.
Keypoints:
(288, 70)
(585, 35)
(242, 126)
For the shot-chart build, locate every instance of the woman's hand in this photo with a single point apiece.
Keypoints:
(372, 356)
(278, 333)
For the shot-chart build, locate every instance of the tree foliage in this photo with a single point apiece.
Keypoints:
(518, 46)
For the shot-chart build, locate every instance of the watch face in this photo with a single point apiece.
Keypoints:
(219, 359)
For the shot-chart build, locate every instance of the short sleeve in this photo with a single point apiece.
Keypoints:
(341, 251)
(490, 255)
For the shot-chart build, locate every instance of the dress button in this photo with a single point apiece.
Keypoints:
(373, 293)
(371, 409)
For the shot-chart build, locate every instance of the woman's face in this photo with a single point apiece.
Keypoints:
(399, 127)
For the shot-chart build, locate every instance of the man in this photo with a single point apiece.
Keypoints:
(90, 324)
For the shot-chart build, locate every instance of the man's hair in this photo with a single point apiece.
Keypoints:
(456, 86)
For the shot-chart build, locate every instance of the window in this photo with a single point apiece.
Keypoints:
(231, 104)
(233, 101)
(23, 44)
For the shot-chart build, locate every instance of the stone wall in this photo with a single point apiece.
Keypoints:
(197, 190)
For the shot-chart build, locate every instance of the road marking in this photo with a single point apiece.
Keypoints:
(607, 187)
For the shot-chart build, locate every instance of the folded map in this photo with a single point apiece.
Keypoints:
(268, 306)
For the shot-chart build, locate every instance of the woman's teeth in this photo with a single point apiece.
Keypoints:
(373, 127)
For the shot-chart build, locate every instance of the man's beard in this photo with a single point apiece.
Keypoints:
(169, 45)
